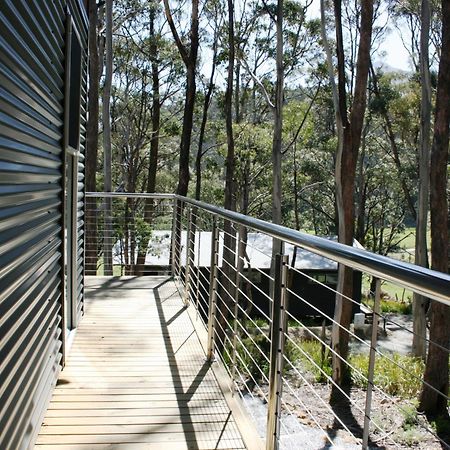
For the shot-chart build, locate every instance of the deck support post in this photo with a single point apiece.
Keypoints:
(239, 268)
(190, 245)
(176, 231)
(213, 290)
(278, 336)
(372, 354)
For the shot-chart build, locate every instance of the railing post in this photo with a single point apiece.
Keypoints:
(187, 272)
(175, 229)
(239, 268)
(277, 333)
(197, 284)
(213, 289)
(372, 353)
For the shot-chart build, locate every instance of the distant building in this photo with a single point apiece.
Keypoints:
(314, 278)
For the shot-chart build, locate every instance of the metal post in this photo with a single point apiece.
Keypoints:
(175, 227)
(372, 353)
(213, 289)
(277, 332)
(187, 272)
(197, 287)
(239, 268)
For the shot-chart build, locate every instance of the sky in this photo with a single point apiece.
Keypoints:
(396, 57)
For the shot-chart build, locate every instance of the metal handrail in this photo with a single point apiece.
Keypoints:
(431, 283)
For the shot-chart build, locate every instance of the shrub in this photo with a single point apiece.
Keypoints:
(391, 306)
(319, 358)
(398, 375)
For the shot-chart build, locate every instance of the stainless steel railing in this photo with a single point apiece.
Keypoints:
(278, 359)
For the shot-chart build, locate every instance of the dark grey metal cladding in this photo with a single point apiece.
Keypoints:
(80, 21)
(32, 42)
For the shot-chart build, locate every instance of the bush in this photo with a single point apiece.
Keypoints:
(391, 306)
(319, 358)
(400, 375)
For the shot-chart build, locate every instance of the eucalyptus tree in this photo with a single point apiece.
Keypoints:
(188, 52)
(435, 390)
(107, 150)
(349, 124)
(147, 77)
(422, 21)
(92, 134)
(214, 12)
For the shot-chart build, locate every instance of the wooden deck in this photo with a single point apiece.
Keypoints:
(136, 376)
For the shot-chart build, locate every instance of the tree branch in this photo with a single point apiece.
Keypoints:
(257, 81)
(181, 47)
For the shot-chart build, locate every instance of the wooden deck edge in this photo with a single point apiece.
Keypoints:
(247, 429)
(46, 403)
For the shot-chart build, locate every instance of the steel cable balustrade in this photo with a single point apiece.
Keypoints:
(253, 345)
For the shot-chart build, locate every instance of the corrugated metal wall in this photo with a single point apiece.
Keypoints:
(32, 40)
(80, 22)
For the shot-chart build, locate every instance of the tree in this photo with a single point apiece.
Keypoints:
(106, 117)
(434, 395)
(421, 251)
(189, 56)
(349, 128)
(277, 247)
(92, 140)
(207, 100)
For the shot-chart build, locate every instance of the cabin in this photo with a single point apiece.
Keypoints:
(313, 281)
(43, 72)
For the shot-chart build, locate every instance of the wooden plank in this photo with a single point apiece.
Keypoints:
(196, 427)
(189, 412)
(131, 404)
(135, 420)
(163, 438)
(204, 445)
(155, 397)
(136, 378)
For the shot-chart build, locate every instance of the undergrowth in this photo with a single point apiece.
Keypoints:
(397, 375)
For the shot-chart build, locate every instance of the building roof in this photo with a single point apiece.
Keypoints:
(259, 251)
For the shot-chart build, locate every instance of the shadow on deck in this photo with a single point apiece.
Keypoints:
(136, 376)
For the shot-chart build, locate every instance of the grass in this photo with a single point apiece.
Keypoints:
(398, 375)
(391, 306)
(408, 238)
(394, 298)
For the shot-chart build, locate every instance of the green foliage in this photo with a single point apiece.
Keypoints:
(397, 375)
(250, 358)
(391, 306)
(315, 359)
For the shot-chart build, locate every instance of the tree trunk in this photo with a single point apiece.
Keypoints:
(92, 143)
(345, 176)
(229, 251)
(154, 143)
(277, 246)
(189, 56)
(436, 371)
(108, 232)
(421, 258)
(206, 104)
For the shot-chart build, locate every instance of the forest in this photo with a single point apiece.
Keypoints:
(286, 111)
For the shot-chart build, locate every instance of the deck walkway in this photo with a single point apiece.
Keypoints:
(136, 376)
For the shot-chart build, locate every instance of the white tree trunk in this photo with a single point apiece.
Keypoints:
(421, 258)
(106, 116)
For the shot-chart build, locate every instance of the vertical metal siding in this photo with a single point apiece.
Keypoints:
(80, 21)
(32, 39)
